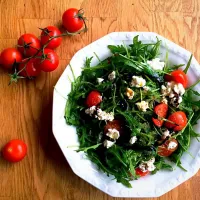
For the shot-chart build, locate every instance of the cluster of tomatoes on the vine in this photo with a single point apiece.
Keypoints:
(34, 55)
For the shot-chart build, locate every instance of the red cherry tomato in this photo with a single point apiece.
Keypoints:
(9, 56)
(178, 121)
(49, 61)
(163, 150)
(30, 69)
(115, 124)
(51, 31)
(93, 98)
(28, 44)
(14, 151)
(139, 172)
(178, 76)
(161, 111)
(72, 20)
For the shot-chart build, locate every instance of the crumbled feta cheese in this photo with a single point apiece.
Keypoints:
(180, 99)
(100, 80)
(166, 90)
(137, 81)
(146, 88)
(143, 167)
(113, 133)
(179, 89)
(108, 143)
(90, 111)
(172, 145)
(171, 95)
(164, 100)
(147, 165)
(143, 106)
(133, 140)
(174, 102)
(151, 167)
(165, 134)
(129, 93)
(156, 64)
(102, 115)
(174, 91)
(112, 76)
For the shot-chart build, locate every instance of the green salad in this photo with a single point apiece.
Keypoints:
(133, 112)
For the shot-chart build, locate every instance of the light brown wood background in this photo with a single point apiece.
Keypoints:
(25, 108)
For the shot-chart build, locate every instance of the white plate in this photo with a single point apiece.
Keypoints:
(152, 185)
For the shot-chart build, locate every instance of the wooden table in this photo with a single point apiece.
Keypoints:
(26, 108)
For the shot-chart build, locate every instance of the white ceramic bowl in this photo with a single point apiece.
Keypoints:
(152, 185)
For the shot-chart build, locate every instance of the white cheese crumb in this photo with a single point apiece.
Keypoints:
(179, 89)
(180, 99)
(129, 93)
(147, 165)
(156, 64)
(112, 76)
(100, 80)
(143, 106)
(90, 111)
(143, 166)
(172, 145)
(138, 82)
(113, 133)
(133, 140)
(102, 115)
(108, 143)
(174, 91)
(164, 100)
(165, 134)
(146, 88)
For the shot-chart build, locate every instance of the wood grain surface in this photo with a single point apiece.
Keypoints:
(26, 108)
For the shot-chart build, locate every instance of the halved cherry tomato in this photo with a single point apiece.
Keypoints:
(9, 56)
(31, 70)
(14, 151)
(115, 124)
(161, 111)
(93, 98)
(139, 172)
(178, 121)
(163, 150)
(51, 31)
(49, 61)
(178, 76)
(72, 20)
(28, 44)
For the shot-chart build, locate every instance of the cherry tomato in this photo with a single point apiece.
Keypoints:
(49, 61)
(115, 124)
(139, 172)
(161, 111)
(72, 20)
(31, 68)
(14, 151)
(163, 149)
(9, 56)
(178, 119)
(28, 44)
(51, 31)
(93, 98)
(178, 76)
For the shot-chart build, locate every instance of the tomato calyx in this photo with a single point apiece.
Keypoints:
(46, 32)
(14, 77)
(27, 46)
